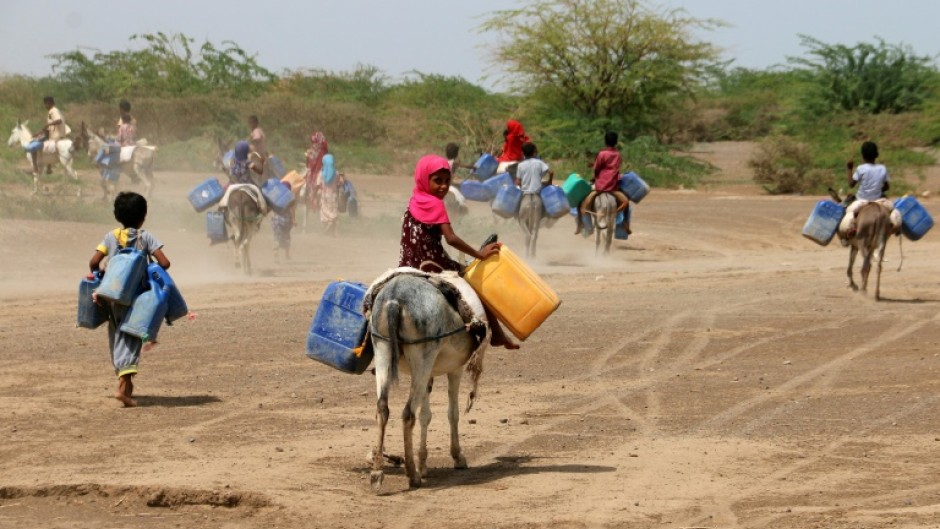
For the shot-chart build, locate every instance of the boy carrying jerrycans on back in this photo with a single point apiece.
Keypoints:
(130, 209)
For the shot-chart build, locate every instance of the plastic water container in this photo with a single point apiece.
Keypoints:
(175, 304)
(122, 280)
(206, 195)
(576, 189)
(554, 201)
(276, 167)
(823, 222)
(277, 195)
(346, 194)
(148, 311)
(518, 297)
(494, 183)
(634, 187)
(216, 230)
(587, 222)
(339, 328)
(620, 230)
(352, 206)
(476, 191)
(486, 166)
(90, 314)
(506, 203)
(227, 159)
(915, 220)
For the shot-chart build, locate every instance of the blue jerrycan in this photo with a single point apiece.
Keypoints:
(145, 316)
(90, 314)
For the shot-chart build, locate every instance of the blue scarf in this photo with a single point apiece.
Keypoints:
(328, 171)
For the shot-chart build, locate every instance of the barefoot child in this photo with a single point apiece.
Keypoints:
(130, 209)
(425, 222)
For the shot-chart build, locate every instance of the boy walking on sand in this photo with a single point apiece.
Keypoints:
(130, 209)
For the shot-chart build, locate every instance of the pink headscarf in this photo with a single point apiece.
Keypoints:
(424, 206)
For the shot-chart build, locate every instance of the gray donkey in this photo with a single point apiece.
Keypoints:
(604, 212)
(411, 319)
(530, 217)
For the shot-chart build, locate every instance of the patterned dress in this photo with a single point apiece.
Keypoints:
(421, 247)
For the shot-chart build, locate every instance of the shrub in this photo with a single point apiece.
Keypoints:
(784, 165)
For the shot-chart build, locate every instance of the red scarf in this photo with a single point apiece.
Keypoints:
(512, 148)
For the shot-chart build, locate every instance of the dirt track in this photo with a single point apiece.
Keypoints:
(713, 372)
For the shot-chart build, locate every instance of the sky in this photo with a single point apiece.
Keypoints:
(430, 36)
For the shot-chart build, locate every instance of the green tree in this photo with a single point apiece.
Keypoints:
(872, 78)
(613, 62)
(166, 67)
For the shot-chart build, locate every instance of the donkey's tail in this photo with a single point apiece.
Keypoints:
(393, 313)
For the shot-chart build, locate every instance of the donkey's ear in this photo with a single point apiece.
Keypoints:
(26, 123)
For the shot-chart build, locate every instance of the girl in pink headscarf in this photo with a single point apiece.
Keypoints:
(426, 222)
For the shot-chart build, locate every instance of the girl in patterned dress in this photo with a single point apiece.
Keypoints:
(425, 223)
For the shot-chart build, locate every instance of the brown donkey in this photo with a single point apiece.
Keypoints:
(873, 229)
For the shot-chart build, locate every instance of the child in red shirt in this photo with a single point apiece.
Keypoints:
(606, 180)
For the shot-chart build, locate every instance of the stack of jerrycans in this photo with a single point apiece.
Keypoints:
(162, 301)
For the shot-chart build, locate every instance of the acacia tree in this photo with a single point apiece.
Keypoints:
(867, 77)
(167, 66)
(612, 61)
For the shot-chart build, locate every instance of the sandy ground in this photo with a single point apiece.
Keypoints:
(713, 372)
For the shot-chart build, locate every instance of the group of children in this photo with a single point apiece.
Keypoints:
(425, 223)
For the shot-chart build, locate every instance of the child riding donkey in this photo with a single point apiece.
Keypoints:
(873, 182)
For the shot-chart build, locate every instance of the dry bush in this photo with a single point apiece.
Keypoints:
(783, 165)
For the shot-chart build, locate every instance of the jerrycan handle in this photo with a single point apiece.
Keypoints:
(157, 279)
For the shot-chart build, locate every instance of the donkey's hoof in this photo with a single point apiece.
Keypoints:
(460, 462)
(415, 482)
(376, 477)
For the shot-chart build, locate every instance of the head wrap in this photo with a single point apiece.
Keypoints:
(328, 171)
(515, 137)
(241, 151)
(424, 206)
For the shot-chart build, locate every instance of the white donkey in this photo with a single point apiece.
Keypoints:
(604, 212)
(530, 217)
(21, 136)
(411, 319)
(139, 167)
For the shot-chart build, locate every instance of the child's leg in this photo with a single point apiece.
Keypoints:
(622, 201)
(499, 337)
(583, 207)
(623, 204)
(125, 355)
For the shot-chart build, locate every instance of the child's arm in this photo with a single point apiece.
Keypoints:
(458, 243)
(161, 259)
(850, 166)
(95, 261)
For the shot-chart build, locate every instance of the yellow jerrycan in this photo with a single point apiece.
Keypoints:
(515, 293)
